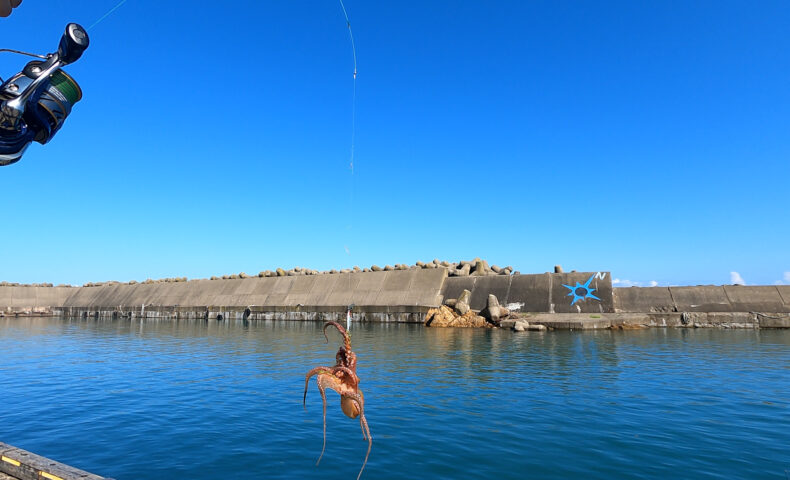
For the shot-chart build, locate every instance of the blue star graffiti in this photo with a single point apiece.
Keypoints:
(582, 292)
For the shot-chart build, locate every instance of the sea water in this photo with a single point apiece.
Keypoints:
(133, 399)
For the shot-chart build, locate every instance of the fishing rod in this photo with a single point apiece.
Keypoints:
(35, 102)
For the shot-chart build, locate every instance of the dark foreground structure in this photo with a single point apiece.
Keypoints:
(558, 300)
(18, 464)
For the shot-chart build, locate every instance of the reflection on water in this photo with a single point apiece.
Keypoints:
(162, 399)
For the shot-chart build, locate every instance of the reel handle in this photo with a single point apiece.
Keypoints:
(72, 44)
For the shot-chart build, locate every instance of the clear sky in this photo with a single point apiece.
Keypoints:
(647, 139)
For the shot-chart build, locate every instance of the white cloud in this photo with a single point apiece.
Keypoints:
(652, 283)
(736, 279)
(786, 277)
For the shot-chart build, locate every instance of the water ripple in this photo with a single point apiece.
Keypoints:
(206, 399)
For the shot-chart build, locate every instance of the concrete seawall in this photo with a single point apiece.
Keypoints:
(714, 299)
(546, 293)
(403, 296)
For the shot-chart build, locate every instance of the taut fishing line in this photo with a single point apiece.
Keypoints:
(109, 12)
(351, 160)
(353, 120)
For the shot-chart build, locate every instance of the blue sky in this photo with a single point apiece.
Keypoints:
(649, 140)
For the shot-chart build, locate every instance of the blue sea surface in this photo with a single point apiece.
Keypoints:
(205, 400)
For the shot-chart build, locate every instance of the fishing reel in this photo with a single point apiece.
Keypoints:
(37, 100)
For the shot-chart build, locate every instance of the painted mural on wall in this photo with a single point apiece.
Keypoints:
(581, 292)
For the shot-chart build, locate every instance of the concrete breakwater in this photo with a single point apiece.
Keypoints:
(394, 295)
(405, 295)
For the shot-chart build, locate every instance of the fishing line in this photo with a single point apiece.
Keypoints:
(351, 159)
(109, 12)
(353, 119)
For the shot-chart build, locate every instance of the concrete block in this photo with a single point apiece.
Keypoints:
(701, 299)
(429, 279)
(276, 299)
(389, 298)
(643, 300)
(575, 298)
(774, 321)
(784, 292)
(369, 281)
(322, 288)
(453, 286)
(342, 298)
(365, 298)
(397, 280)
(530, 290)
(498, 285)
(251, 285)
(425, 287)
(282, 285)
(301, 285)
(227, 287)
(755, 299)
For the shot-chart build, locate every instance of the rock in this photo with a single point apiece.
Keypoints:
(345, 270)
(388, 268)
(557, 268)
(430, 265)
(537, 328)
(494, 311)
(462, 304)
(332, 272)
(445, 263)
(492, 301)
(496, 269)
(357, 269)
(509, 323)
(436, 262)
(450, 302)
(280, 272)
(521, 325)
(367, 270)
(375, 268)
(445, 316)
(463, 271)
(420, 264)
(481, 268)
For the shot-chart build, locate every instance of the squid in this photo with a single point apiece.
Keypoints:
(342, 378)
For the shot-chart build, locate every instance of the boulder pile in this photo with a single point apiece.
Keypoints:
(458, 313)
(464, 268)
